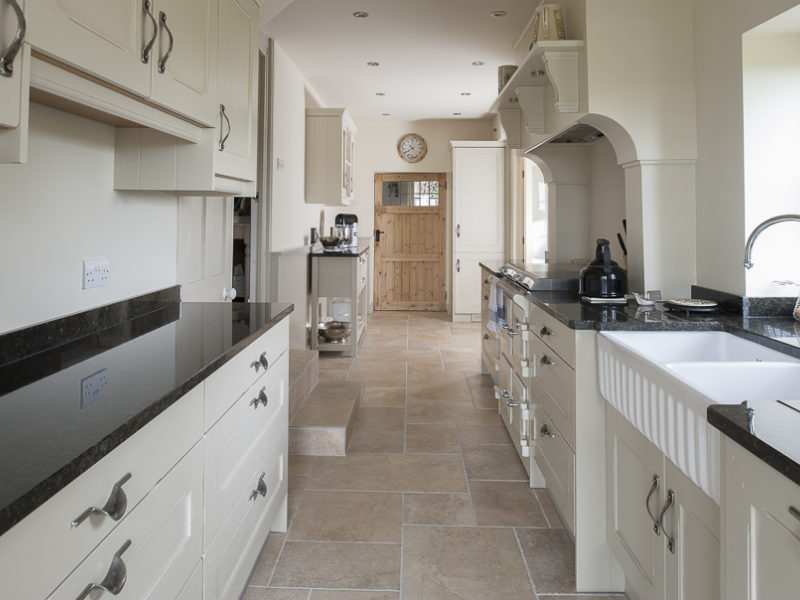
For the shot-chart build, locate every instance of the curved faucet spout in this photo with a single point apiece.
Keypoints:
(748, 249)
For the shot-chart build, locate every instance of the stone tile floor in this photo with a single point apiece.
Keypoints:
(432, 501)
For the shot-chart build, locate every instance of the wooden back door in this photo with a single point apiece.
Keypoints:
(410, 211)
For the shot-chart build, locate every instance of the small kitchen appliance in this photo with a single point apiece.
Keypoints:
(603, 280)
(348, 220)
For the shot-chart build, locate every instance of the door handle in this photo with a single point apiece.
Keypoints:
(222, 140)
(162, 64)
(10, 53)
(458, 231)
(378, 233)
(653, 488)
(146, 5)
(458, 265)
(670, 538)
(115, 578)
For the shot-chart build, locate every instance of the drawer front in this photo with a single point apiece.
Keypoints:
(239, 440)
(554, 333)
(225, 385)
(165, 533)
(557, 463)
(46, 537)
(228, 561)
(363, 270)
(193, 589)
(555, 388)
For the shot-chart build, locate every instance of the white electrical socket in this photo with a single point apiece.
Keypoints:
(96, 272)
(94, 388)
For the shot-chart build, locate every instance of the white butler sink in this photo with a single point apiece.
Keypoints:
(662, 382)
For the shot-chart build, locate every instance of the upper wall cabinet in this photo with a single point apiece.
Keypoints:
(162, 50)
(15, 67)
(330, 148)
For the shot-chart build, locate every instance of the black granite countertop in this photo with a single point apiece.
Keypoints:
(51, 432)
(351, 251)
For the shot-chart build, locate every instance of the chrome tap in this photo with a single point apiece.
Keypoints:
(748, 249)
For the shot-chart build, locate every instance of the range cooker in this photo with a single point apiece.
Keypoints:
(533, 277)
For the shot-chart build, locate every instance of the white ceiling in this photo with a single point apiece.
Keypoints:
(425, 49)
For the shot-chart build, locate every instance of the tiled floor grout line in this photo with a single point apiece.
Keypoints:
(541, 508)
(525, 562)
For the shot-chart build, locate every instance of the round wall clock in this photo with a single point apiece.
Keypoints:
(412, 148)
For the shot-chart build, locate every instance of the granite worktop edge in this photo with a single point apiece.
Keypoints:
(24, 505)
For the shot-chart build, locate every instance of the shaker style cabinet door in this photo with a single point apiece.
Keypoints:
(478, 200)
(11, 89)
(104, 38)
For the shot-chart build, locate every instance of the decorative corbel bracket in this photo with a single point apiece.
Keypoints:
(562, 71)
(531, 101)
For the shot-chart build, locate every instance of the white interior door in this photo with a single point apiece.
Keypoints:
(205, 247)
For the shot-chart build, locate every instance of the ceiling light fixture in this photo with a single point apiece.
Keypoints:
(380, 93)
(477, 63)
(466, 93)
(498, 13)
(456, 114)
(386, 114)
(360, 14)
(372, 63)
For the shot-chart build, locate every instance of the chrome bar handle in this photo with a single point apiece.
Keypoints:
(653, 488)
(146, 6)
(261, 488)
(114, 508)
(228, 121)
(794, 512)
(162, 63)
(10, 53)
(115, 578)
(545, 432)
(262, 398)
(670, 539)
(510, 402)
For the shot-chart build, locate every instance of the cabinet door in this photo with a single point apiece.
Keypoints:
(238, 88)
(11, 92)
(633, 462)
(478, 200)
(466, 284)
(102, 37)
(188, 83)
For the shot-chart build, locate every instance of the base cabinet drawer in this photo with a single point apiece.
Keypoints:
(229, 559)
(554, 388)
(554, 333)
(193, 588)
(557, 462)
(154, 551)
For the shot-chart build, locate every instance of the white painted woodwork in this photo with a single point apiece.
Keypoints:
(652, 570)
(166, 535)
(557, 462)
(14, 109)
(236, 443)
(45, 536)
(761, 538)
(193, 589)
(466, 284)
(531, 101)
(330, 150)
(205, 247)
(12, 95)
(188, 84)
(511, 119)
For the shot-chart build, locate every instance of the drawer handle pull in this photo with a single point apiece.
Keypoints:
(546, 360)
(510, 402)
(545, 432)
(261, 362)
(146, 5)
(794, 512)
(261, 488)
(653, 488)
(486, 336)
(223, 115)
(485, 297)
(262, 398)
(115, 578)
(544, 331)
(162, 64)
(114, 507)
(10, 53)
(670, 539)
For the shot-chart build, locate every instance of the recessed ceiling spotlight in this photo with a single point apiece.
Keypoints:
(380, 93)
(466, 93)
(456, 114)
(477, 63)
(360, 14)
(498, 13)
(386, 114)
(372, 63)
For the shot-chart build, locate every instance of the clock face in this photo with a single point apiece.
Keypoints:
(412, 147)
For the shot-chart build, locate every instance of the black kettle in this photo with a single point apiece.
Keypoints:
(603, 278)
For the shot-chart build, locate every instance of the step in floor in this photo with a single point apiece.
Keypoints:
(323, 424)
(303, 377)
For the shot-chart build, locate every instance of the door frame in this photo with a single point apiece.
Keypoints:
(443, 218)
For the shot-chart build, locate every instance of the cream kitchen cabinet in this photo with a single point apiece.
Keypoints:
(161, 50)
(761, 535)
(478, 218)
(13, 63)
(330, 149)
(661, 527)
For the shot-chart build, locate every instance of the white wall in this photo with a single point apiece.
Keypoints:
(60, 209)
(606, 197)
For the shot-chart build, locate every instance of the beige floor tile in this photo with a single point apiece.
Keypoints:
(301, 465)
(494, 463)
(584, 597)
(339, 565)
(422, 345)
(439, 388)
(481, 380)
(550, 555)
(418, 372)
(431, 438)
(384, 372)
(506, 503)
(477, 435)
(297, 485)
(274, 594)
(266, 562)
(463, 563)
(424, 357)
(439, 509)
(489, 415)
(378, 429)
(420, 411)
(550, 513)
(348, 517)
(483, 397)
(353, 595)
(390, 472)
(384, 395)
